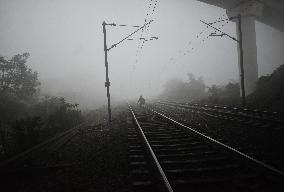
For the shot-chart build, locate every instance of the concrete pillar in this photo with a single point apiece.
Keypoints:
(249, 53)
(248, 11)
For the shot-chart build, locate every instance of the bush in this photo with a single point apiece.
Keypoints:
(269, 93)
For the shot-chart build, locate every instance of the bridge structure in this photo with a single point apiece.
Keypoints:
(269, 12)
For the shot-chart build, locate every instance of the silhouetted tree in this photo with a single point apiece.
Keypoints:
(176, 89)
(228, 94)
(196, 87)
(25, 118)
(214, 93)
(17, 80)
(26, 132)
(269, 93)
(18, 85)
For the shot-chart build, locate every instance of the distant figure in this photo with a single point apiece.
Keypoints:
(141, 101)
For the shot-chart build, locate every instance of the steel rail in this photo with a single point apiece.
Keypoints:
(235, 109)
(39, 147)
(29, 170)
(258, 162)
(240, 113)
(158, 166)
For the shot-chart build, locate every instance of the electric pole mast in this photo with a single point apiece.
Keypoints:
(241, 55)
(106, 49)
(240, 47)
(107, 83)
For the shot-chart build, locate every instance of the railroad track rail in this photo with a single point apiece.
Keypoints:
(21, 163)
(219, 118)
(225, 112)
(166, 155)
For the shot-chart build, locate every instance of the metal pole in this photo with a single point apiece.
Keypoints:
(241, 55)
(107, 83)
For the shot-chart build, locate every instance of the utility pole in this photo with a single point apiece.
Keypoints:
(107, 83)
(241, 55)
(106, 49)
(240, 47)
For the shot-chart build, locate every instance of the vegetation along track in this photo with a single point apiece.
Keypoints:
(168, 156)
(39, 159)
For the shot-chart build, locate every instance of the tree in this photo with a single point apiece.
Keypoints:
(269, 93)
(17, 79)
(214, 93)
(176, 89)
(228, 94)
(232, 90)
(25, 118)
(196, 87)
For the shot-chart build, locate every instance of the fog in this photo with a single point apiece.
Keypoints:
(65, 40)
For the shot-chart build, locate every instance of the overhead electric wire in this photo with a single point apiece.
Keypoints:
(218, 20)
(152, 8)
(147, 28)
(189, 47)
(145, 20)
(114, 45)
(141, 35)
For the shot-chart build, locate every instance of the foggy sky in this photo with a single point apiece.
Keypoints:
(65, 40)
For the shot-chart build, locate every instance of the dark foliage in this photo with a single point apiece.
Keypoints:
(225, 95)
(178, 90)
(25, 118)
(269, 93)
(58, 114)
(26, 132)
(18, 87)
(17, 79)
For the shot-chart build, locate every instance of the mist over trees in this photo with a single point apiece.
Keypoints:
(26, 116)
(228, 94)
(190, 90)
(18, 88)
(195, 90)
(268, 95)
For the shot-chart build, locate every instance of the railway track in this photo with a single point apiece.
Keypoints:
(94, 159)
(225, 112)
(28, 161)
(166, 155)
